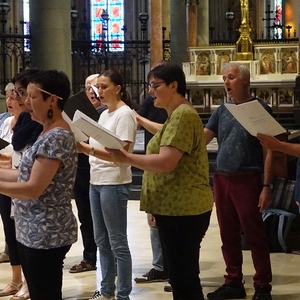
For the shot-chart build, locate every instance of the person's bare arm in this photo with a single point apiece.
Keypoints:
(163, 162)
(265, 198)
(8, 175)
(99, 153)
(150, 126)
(43, 171)
(5, 160)
(5, 156)
(209, 135)
(274, 144)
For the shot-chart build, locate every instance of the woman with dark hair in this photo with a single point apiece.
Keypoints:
(175, 187)
(42, 185)
(109, 189)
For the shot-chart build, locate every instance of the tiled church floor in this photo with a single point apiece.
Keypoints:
(286, 274)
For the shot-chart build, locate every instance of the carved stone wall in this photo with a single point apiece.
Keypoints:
(273, 73)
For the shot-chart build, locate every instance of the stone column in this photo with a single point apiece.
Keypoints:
(275, 99)
(203, 23)
(166, 17)
(156, 43)
(207, 100)
(192, 13)
(50, 23)
(179, 40)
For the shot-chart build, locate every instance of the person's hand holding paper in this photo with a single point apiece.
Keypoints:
(119, 156)
(99, 133)
(255, 118)
(269, 142)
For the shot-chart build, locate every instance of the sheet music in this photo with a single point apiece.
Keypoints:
(79, 135)
(81, 102)
(99, 133)
(255, 118)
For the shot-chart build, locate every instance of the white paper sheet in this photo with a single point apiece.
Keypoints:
(99, 133)
(79, 135)
(255, 118)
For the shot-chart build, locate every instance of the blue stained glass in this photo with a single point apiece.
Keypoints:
(110, 30)
(26, 28)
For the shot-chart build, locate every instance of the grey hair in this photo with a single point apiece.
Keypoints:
(91, 78)
(244, 71)
(9, 87)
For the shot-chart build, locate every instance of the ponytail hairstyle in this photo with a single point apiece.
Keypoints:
(116, 78)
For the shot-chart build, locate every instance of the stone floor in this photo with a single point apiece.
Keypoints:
(286, 274)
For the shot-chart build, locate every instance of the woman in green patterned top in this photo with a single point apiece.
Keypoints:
(175, 184)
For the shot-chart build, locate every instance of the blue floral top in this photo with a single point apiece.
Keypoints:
(48, 221)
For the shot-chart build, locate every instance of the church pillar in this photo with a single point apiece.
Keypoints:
(166, 17)
(50, 23)
(203, 23)
(192, 13)
(179, 40)
(156, 48)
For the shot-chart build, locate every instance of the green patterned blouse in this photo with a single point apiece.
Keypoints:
(184, 191)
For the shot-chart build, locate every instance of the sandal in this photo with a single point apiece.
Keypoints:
(22, 294)
(82, 267)
(10, 289)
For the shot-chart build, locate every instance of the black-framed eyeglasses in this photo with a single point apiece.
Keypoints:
(155, 85)
(19, 93)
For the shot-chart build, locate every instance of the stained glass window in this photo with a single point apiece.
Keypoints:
(278, 19)
(26, 29)
(110, 29)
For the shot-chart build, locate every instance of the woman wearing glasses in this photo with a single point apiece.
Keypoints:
(6, 132)
(42, 188)
(23, 132)
(175, 187)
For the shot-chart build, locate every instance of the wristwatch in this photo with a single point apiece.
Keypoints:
(92, 151)
(269, 185)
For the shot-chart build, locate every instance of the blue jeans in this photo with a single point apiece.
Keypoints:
(109, 213)
(157, 255)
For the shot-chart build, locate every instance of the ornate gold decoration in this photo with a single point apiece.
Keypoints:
(244, 44)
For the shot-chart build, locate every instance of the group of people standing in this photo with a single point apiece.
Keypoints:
(175, 188)
(39, 184)
(42, 184)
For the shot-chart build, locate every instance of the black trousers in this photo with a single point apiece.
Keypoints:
(9, 230)
(43, 271)
(82, 199)
(181, 237)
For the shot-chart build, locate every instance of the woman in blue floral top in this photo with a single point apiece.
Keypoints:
(42, 188)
